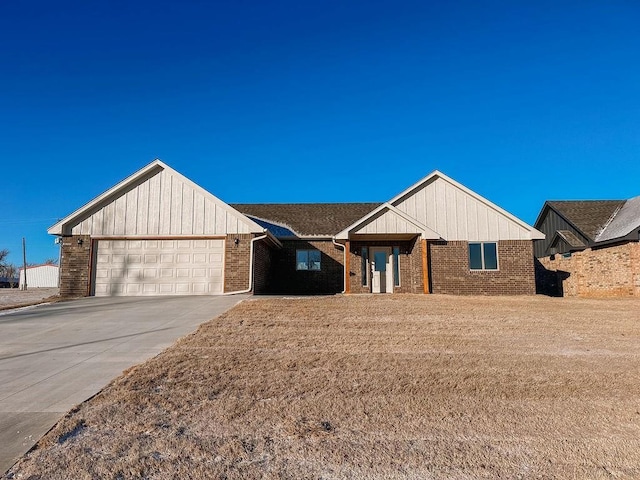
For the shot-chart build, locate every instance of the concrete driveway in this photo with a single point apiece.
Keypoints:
(53, 357)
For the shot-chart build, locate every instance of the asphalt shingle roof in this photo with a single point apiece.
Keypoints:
(305, 219)
(571, 239)
(588, 216)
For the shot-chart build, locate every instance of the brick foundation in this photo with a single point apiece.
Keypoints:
(75, 266)
(450, 273)
(605, 272)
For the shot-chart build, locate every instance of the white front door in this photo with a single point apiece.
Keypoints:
(381, 270)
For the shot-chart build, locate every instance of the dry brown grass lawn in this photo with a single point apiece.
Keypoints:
(404, 386)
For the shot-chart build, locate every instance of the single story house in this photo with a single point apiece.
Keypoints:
(591, 248)
(572, 225)
(40, 276)
(159, 233)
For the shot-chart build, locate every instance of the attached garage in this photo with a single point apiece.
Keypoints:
(158, 267)
(158, 233)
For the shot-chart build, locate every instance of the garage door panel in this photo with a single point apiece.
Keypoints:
(159, 267)
(150, 258)
(183, 258)
(150, 273)
(134, 259)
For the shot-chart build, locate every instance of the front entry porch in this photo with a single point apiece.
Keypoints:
(386, 252)
(391, 265)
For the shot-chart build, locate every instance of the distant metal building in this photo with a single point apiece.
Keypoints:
(41, 276)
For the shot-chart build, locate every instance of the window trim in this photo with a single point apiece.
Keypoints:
(482, 257)
(308, 261)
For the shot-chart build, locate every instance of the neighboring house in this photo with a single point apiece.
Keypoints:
(570, 226)
(157, 233)
(591, 248)
(40, 276)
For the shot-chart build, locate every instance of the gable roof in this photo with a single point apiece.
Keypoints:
(445, 213)
(305, 219)
(589, 217)
(570, 238)
(67, 224)
(387, 209)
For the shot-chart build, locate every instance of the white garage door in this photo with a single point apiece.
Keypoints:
(159, 267)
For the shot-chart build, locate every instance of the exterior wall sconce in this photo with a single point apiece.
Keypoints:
(236, 241)
(80, 241)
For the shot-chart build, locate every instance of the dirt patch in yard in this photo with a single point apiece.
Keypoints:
(14, 297)
(403, 386)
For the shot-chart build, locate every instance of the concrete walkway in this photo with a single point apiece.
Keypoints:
(53, 357)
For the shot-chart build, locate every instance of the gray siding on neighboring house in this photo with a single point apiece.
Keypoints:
(550, 224)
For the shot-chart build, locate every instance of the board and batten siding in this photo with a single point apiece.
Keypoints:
(163, 205)
(551, 223)
(387, 222)
(457, 215)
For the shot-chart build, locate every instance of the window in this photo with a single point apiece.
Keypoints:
(364, 265)
(308, 259)
(483, 256)
(396, 266)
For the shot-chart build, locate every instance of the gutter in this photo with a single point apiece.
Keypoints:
(344, 263)
(251, 253)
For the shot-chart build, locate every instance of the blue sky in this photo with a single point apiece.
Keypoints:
(291, 101)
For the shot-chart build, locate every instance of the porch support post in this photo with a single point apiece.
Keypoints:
(425, 266)
(347, 267)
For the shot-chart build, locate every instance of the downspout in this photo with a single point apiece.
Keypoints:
(251, 253)
(344, 263)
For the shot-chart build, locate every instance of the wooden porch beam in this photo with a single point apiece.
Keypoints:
(425, 266)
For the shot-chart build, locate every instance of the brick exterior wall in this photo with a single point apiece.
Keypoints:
(286, 279)
(275, 270)
(236, 262)
(605, 272)
(450, 273)
(75, 265)
(410, 265)
(261, 267)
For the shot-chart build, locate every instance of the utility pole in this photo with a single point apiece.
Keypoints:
(24, 262)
